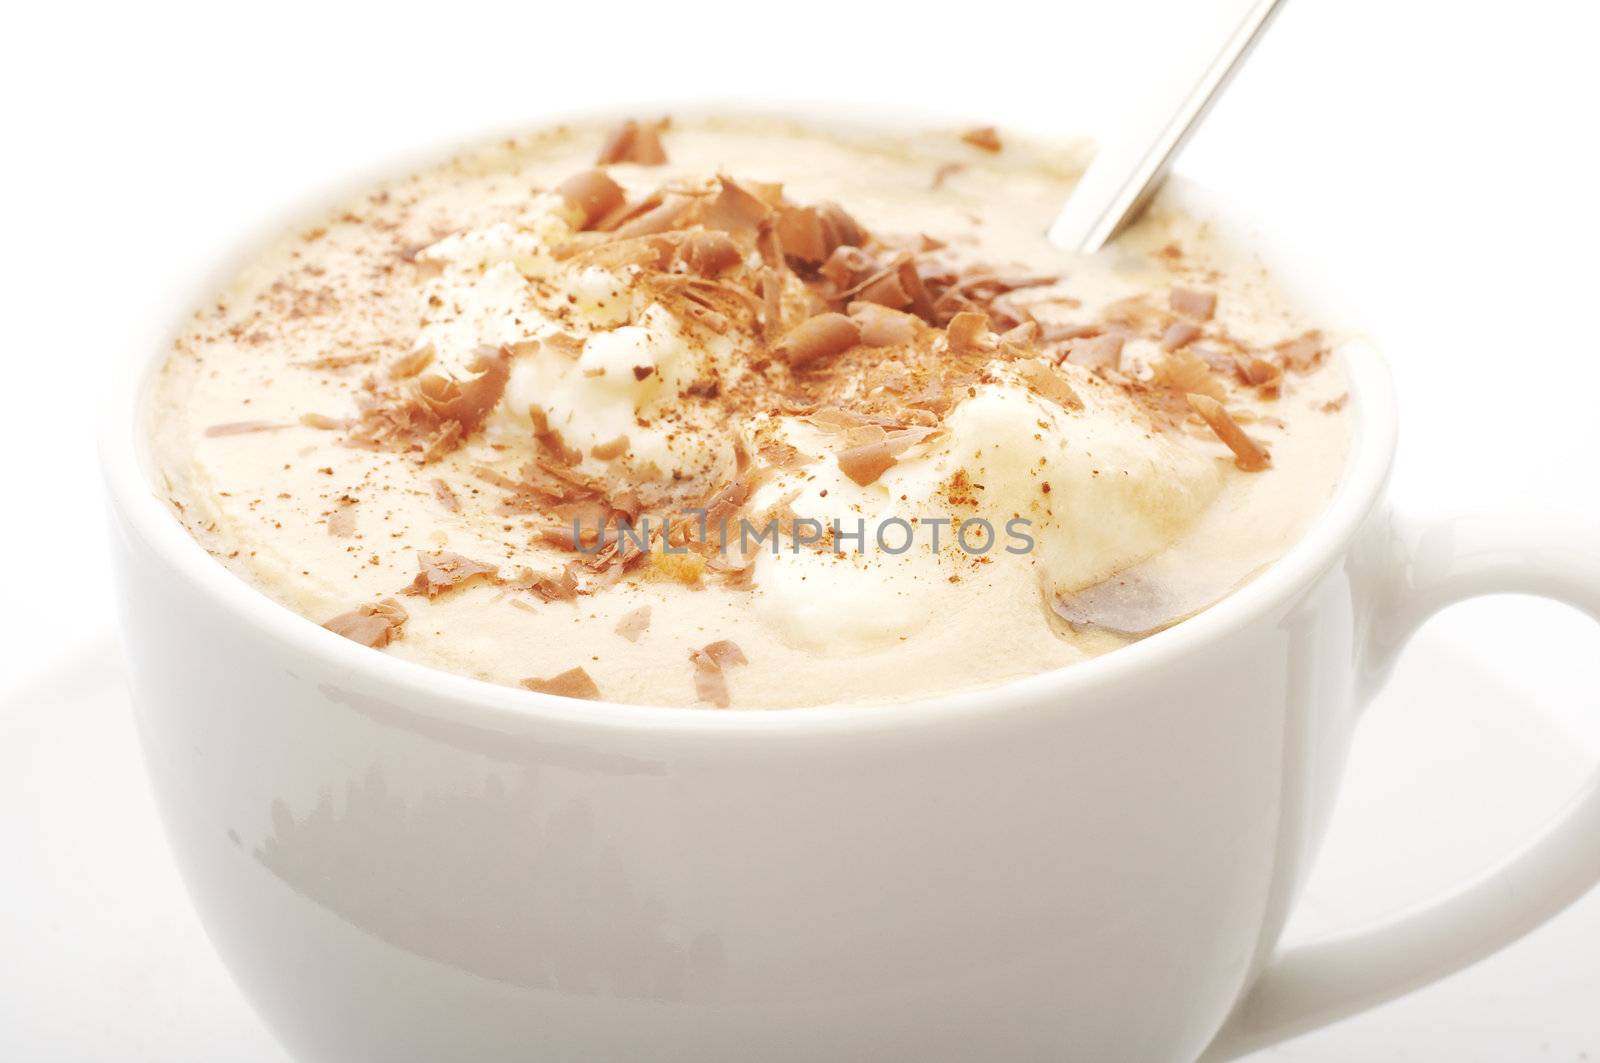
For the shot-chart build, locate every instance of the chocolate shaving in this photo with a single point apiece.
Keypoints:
(1179, 334)
(1185, 371)
(810, 234)
(1303, 353)
(633, 625)
(573, 683)
(342, 525)
(1128, 604)
(561, 587)
(710, 662)
(866, 462)
(847, 267)
(593, 194)
(1191, 303)
(371, 625)
(1058, 334)
(1136, 315)
(969, 331)
(609, 223)
(1222, 363)
(442, 571)
(400, 420)
(1248, 454)
(883, 327)
(1044, 380)
(839, 226)
(442, 442)
(723, 653)
(735, 208)
(564, 343)
(446, 497)
(783, 456)
(818, 337)
(1263, 373)
(550, 441)
(801, 235)
(612, 449)
(636, 142)
(887, 289)
(921, 300)
(467, 402)
(984, 138)
(710, 254)
(1103, 352)
(838, 420)
(411, 363)
(666, 215)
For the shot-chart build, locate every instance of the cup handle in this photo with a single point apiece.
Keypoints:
(1422, 568)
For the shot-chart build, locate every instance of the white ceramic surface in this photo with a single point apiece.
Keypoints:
(1095, 864)
(1453, 762)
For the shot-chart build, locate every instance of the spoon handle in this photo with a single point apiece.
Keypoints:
(1126, 172)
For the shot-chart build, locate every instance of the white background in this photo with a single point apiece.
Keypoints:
(1436, 159)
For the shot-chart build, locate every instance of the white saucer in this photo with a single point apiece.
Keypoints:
(105, 961)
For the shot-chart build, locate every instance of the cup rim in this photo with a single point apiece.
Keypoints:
(431, 691)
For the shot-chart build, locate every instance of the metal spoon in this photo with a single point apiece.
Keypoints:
(1127, 172)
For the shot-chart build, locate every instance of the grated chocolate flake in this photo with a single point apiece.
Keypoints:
(1046, 381)
(984, 138)
(573, 683)
(634, 624)
(1193, 304)
(710, 664)
(442, 571)
(818, 338)
(635, 142)
(445, 495)
(1247, 453)
(593, 194)
(371, 625)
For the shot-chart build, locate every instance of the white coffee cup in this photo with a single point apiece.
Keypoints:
(1095, 864)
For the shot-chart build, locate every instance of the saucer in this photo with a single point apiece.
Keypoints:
(1453, 765)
